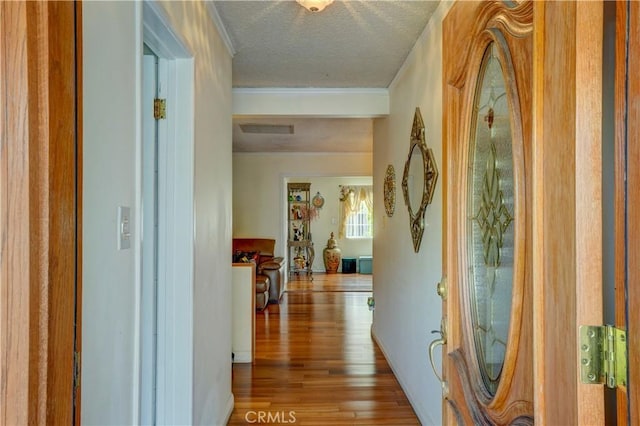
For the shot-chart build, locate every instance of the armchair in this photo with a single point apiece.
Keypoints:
(267, 265)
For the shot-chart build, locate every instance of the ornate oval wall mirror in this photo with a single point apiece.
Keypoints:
(419, 179)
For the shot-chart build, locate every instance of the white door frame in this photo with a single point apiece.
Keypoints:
(148, 243)
(174, 374)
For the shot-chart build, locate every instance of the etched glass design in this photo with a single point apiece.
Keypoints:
(490, 204)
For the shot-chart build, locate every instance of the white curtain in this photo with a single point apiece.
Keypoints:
(350, 198)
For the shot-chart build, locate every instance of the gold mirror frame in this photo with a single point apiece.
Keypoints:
(430, 177)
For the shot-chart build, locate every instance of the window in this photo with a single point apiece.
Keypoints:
(359, 223)
(356, 211)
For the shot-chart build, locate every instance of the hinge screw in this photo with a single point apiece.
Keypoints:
(592, 377)
(585, 348)
(585, 361)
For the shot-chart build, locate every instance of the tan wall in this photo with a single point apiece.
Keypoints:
(407, 307)
(259, 190)
(112, 58)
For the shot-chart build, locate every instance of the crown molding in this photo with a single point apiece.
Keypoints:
(341, 154)
(328, 102)
(305, 91)
(222, 31)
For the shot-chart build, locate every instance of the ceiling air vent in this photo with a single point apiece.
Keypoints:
(272, 129)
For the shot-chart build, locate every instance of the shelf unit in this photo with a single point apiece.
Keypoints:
(300, 246)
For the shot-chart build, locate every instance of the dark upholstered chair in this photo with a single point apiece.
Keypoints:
(262, 291)
(267, 265)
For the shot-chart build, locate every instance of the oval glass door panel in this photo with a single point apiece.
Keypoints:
(490, 211)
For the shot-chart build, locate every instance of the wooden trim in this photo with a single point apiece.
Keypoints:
(38, 179)
(627, 199)
(567, 189)
(61, 200)
(633, 211)
(554, 195)
(537, 111)
(79, 201)
(14, 222)
(453, 411)
(589, 284)
(620, 187)
(40, 136)
(450, 411)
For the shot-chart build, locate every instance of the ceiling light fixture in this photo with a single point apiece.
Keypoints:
(315, 5)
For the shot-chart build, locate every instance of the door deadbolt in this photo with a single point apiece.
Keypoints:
(441, 289)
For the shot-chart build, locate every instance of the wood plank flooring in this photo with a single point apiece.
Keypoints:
(316, 362)
(332, 282)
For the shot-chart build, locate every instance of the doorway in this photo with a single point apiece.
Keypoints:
(151, 87)
(165, 214)
(326, 219)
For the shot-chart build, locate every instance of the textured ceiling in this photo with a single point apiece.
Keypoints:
(309, 135)
(351, 44)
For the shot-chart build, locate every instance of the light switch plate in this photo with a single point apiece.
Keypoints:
(124, 228)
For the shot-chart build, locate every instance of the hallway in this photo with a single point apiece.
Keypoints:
(316, 362)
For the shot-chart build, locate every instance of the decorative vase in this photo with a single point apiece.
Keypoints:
(332, 255)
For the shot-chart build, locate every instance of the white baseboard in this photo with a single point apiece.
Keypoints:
(400, 380)
(241, 357)
(228, 410)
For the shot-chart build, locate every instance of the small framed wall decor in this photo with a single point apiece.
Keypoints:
(390, 190)
(317, 201)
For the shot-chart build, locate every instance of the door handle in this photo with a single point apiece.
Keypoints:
(432, 346)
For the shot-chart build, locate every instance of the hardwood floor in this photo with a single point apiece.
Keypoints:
(332, 282)
(316, 362)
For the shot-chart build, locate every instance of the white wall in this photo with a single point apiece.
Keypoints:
(259, 190)
(112, 51)
(243, 337)
(111, 130)
(407, 307)
(212, 198)
(329, 218)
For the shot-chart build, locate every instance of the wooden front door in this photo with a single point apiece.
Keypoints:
(488, 358)
(40, 222)
(568, 236)
(523, 253)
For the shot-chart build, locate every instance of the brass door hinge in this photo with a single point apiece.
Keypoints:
(159, 109)
(603, 355)
(76, 370)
